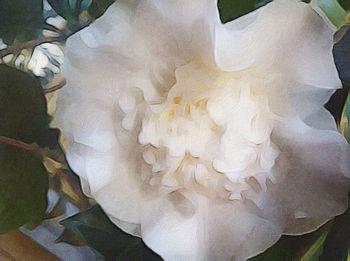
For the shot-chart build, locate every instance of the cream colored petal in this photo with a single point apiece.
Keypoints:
(286, 37)
(315, 184)
(215, 230)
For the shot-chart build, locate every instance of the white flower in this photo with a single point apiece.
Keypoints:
(209, 141)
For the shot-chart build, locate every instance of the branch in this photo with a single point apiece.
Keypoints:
(55, 87)
(33, 148)
(21, 145)
(16, 48)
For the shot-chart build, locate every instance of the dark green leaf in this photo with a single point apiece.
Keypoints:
(23, 188)
(70, 9)
(98, 7)
(23, 113)
(260, 3)
(345, 4)
(64, 9)
(338, 241)
(70, 237)
(316, 249)
(341, 53)
(232, 9)
(94, 227)
(291, 248)
(336, 103)
(345, 120)
(23, 179)
(20, 20)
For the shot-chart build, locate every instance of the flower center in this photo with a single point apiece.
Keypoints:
(211, 134)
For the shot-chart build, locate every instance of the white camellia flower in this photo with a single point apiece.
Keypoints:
(209, 141)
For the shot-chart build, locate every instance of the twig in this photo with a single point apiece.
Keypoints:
(16, 48)
(33, 148)
(55, 87)
(21, 145)
(7, 255)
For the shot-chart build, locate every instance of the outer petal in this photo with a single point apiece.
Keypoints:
(212, 231)
(314, 188)
(285, 36)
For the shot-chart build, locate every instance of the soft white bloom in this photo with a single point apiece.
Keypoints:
(209, 141)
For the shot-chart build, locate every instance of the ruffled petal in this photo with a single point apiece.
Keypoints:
(314, 183)
(212, 231)
(287, 37)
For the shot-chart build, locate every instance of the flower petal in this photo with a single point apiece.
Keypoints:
(288, 36)
(215, 231)
(314, 185)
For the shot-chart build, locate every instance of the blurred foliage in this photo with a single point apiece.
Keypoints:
(345, 4)
(289, 248)
(23, 188)
(23, 109)
(345, 121)
(330, 242)
(20, 20)
(93, 227)
(70, 9)
(334, 11)
(341, 54)
(24, 20)
(79, 13)
(231, 9)
(337, 243)
(23, 179)
(98, 7)
(316, 249)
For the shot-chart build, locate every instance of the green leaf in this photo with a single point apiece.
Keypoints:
(232, 9)
(20, 20)
(334, 11)
(23, 188)
(345, 4)
(23, 179)
(69, 236)
(23, 113)
(315, 251)
(337, 243)
(336, 104)
(98, 7)
(260, 3)
(70, 9)
(291, 248)
(345, 120)
(66, 9)
(93, 227)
